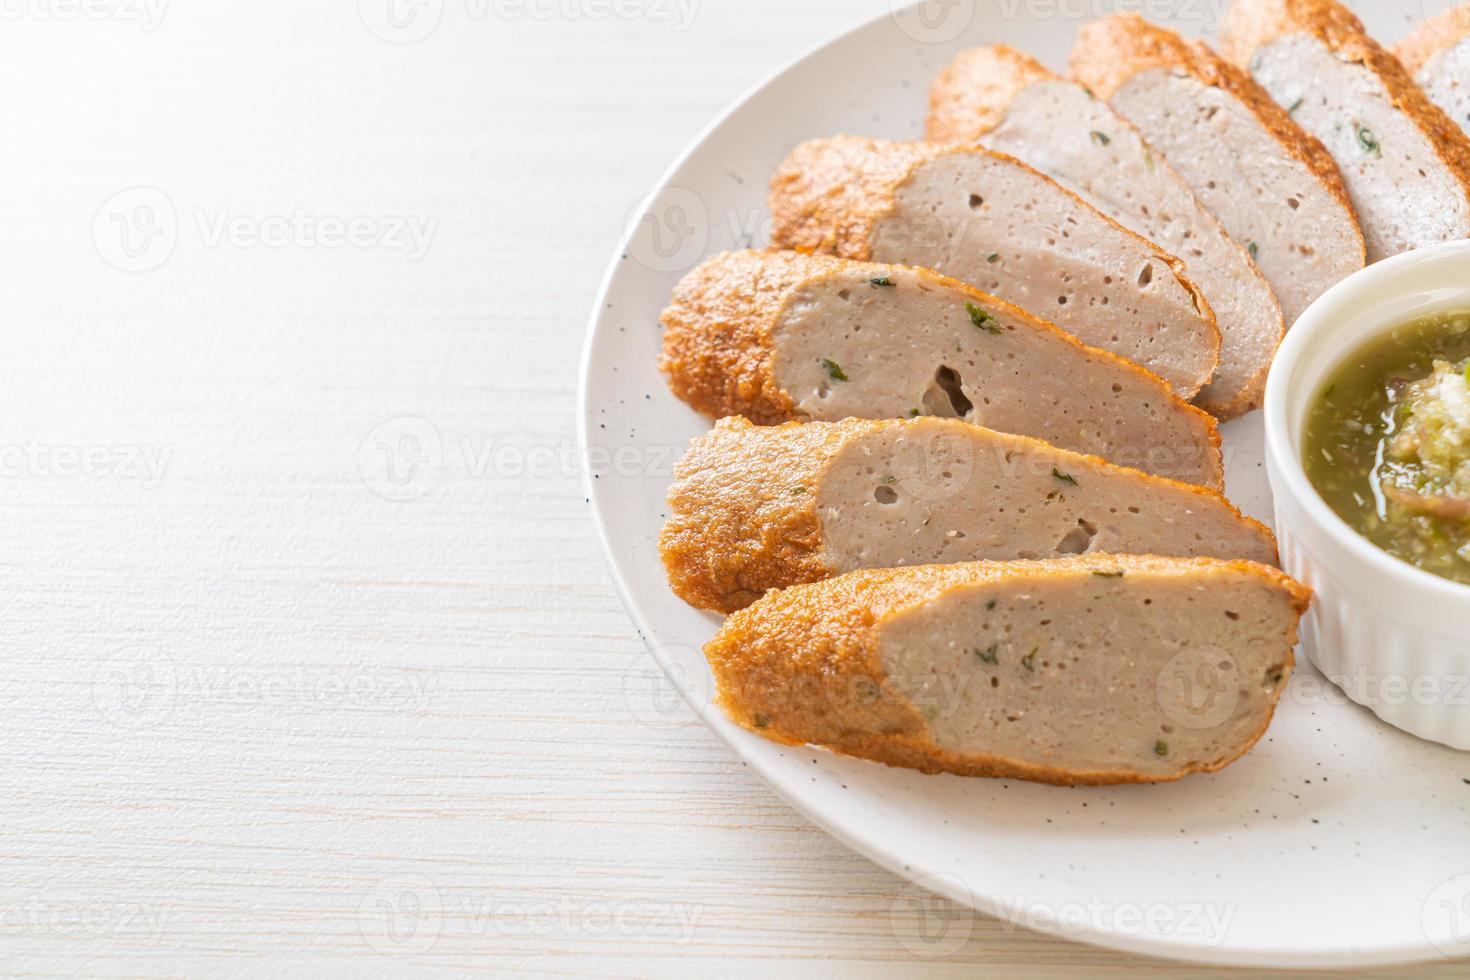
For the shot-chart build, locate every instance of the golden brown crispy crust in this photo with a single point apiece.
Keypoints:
(1252, 396)
(742, 510)
(1112, 50)
(718, 344)
(801, 666)
(828, 195)
(972, 94)
(732, 529)
(1433, 36)
(1253, 23)
(717, 332)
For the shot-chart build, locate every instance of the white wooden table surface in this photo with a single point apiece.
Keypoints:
(312, 664)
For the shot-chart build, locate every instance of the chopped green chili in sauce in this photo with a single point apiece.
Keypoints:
(1387, 443)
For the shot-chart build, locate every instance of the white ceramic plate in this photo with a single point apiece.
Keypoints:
(1337, 841)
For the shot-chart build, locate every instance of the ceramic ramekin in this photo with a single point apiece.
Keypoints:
(1395, 639)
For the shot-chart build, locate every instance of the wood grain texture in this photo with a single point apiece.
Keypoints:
(313, 665)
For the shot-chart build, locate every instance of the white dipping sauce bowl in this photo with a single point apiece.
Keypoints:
(1394, 638)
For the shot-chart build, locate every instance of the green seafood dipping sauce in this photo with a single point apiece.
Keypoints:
(1387, 443)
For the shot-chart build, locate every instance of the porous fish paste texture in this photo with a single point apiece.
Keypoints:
(1009, 231)
(1445, 78)
(1082, 676)
(1405, 197)
(1305, 239)
(1079, 141)
(913, 349)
